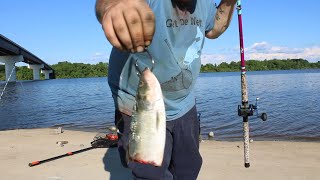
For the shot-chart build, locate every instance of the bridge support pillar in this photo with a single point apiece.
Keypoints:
(10, 69)
(46, 73)
(36, 70)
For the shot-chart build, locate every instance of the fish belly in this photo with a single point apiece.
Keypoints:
(147, 137)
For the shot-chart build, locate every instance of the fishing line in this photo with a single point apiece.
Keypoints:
(5, 86)
(23, 90)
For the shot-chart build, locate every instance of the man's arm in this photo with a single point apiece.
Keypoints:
(127, 24)
(222, 18)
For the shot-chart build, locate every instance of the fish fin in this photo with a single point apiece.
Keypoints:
(128, 158)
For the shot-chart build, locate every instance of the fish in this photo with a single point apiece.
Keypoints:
(148, 125)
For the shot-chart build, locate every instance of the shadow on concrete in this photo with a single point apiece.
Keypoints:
(112, 164)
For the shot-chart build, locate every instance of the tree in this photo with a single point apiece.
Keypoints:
(255, 65)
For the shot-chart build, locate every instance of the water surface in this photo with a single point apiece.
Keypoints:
(291, 99)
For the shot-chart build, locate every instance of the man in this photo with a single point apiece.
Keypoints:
(173, 31)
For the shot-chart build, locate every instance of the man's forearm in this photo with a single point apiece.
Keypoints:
(222, 18)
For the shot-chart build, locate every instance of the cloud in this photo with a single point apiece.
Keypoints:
(262, 51)
(217, 58)
(99, 57)
(91, 59)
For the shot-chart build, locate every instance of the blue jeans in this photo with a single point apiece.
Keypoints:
(182, 159)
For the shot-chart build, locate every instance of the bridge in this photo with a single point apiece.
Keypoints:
(11, 53)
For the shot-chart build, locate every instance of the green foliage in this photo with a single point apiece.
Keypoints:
(63, 70)
(255, 65)
(24, 73)
(80, 70)
(2, 72)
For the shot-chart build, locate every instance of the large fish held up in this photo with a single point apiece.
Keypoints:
(148, 125)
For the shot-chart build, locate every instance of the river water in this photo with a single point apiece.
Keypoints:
(290, 98)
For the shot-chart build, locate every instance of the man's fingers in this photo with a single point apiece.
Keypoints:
(134, 24)
(129, 26)
(122, 30)
(148, 24)
(109, 32)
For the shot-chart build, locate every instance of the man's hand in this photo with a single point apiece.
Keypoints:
(128, 24)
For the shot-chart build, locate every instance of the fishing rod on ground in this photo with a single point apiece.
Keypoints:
(245, 109)
(109, 141)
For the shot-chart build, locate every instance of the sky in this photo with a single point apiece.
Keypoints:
(67, 30)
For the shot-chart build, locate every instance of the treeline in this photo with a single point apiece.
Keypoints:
(80, 70)
(22, 73)
(63, 70)
(255, 65)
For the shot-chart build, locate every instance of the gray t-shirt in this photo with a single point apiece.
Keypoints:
(176, 49)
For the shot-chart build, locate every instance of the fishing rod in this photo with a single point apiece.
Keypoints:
(245, 109)
(110, 140)
(61, 156)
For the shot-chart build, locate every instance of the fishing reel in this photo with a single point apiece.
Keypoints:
(250, 110)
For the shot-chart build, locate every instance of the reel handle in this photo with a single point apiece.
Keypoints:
(262, 116)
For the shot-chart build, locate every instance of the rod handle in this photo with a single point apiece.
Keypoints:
(34, 163)
(246, 165)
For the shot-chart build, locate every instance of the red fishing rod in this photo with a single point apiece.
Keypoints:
(245, 109)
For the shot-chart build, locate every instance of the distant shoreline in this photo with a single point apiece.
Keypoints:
(80, 70)
(203, 72)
